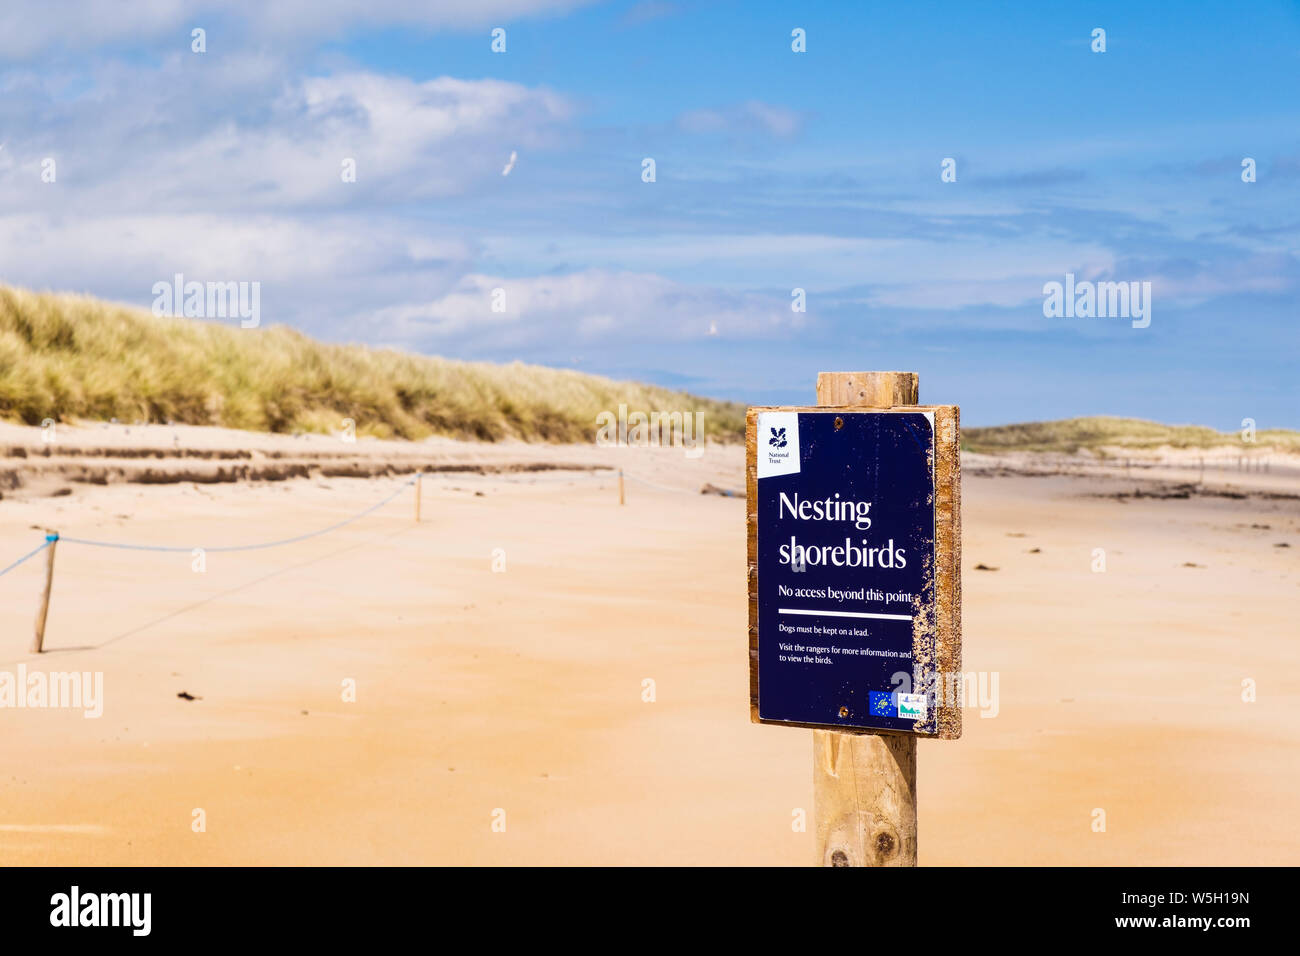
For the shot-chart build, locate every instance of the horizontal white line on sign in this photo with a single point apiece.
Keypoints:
(878, 617)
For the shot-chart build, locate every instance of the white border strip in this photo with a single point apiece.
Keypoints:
(876, 617)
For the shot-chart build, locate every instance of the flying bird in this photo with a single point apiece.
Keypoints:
(510, 165)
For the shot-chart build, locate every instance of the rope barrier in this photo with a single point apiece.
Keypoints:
(651, 484)
(614, 476)
(541, 477)
(26, 557)
(127, 546)
(51, 538)
(242, 547)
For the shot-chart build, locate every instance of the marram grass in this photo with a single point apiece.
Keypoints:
(70, 357)
(1100, 432)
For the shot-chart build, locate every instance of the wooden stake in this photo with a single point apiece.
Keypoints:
(38, 643)
(864, 785)
(419, 484)
(620, 486)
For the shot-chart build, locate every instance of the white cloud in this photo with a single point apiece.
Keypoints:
(382, 281)
(913, 273)
(748, 117)
(590, 305)
(322, 276)
(146, 147)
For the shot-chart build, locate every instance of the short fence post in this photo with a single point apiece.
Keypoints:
(38, 644)
(620, 486)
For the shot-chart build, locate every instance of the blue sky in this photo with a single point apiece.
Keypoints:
(775, 170)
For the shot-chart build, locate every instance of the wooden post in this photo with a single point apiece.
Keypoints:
(864, 785)
(620, 486)
(419, 484)
(38, 643)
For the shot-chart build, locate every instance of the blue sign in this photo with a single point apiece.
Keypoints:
(845, 567)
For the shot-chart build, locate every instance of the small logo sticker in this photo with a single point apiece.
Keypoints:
(778, 444)
(911, 706)
(881, 703)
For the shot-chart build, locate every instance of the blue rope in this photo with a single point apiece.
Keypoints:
(49, 538)
(245, 547)
(652, 484)
(29, 556)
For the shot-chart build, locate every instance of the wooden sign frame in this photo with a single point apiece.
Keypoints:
(935, 650)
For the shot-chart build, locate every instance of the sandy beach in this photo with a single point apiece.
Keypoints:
(521, 689)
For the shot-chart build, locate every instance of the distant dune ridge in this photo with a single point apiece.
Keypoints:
(1102, 433)
(70, 357)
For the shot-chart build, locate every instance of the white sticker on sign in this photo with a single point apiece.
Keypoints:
(778, 444)
(911, 706)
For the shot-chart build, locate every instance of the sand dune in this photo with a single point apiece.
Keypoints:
(521, 690)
